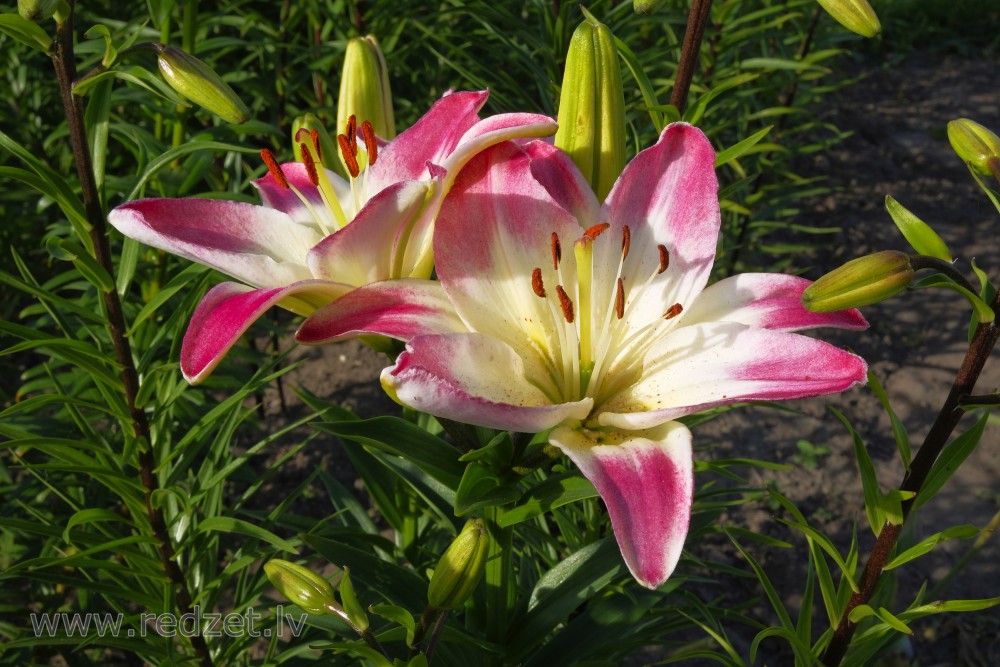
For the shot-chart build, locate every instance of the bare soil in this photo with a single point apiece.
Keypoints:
(897, 113)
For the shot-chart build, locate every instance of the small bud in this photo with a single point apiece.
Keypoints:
(364, 88)
(974, 143)
(855, 15)
(646, 6)
(329, 152)
(199, 83)
(592, 106)
(355, 612)
(303, 587)
(860, 282)
(37, 10)
(461, 567)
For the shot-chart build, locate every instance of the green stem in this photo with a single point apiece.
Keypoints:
(65, 68)
(980, 348)
(500, 594)
(919, 262)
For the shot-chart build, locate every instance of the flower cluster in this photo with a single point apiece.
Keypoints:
(551, 312)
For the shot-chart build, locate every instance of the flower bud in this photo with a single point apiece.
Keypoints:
(364, 88)
(303, 587)
(860, 282)
(974, 143)
(855, 15)
(36, 10)
(199, 83)
(461, 567)
(329, 152)
(646, 6)
(592, 106)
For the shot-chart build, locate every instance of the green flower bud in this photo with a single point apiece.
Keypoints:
(855, 15)
(329, 152)
(974, 143)
(592, 106)
(364, 88)
(646, 6)
(199, 83)
(36, 10)
(860, 282)
(303, 587)
(461, 567)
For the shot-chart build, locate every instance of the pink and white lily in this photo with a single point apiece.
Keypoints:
(554, 312)
(298, 250)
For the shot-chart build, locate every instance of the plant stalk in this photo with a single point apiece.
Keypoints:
(65, 68)
(980, 348)
(690, 50)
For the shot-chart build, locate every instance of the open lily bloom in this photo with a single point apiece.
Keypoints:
(318, 236)
(553, 312)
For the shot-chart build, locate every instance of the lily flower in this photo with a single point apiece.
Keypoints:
(317, 236)
(555, 312)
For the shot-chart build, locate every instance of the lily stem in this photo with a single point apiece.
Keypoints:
(65, 69)
(500, 595)
(980, 348)
(691, 48)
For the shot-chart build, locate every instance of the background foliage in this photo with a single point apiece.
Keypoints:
(74, 531)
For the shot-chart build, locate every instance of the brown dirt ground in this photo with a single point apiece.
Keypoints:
(897, 113)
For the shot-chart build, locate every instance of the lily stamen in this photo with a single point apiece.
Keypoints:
(536, 283)
(274, 167)
(566, 303)
(556, 251)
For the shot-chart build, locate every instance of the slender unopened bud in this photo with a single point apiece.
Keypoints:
(364, 88)
(974, 143)
(855, 15)
(37, 10)
(199, 83)
(860, 282)
(301, 586)
(592, 106)
(461, 567)
(329, 152)
(647, 6)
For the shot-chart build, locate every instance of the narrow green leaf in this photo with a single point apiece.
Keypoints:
(25, 31)
(926, 545)
(869, 481)
(225, 524)
(481, 487)
(898, 430)
(950, 459)
(984, 313)
(548, 495)
(738, 149)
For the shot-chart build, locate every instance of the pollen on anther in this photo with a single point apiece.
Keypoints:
(565, 303)
(536, 283)
(274, 168)
(310, 165)
(595, 231)
(371, 143)
(620, 299)
(664, 258)
(626, 241)
(352, 132)
(350, 156)
(556, 251)
(673, 311)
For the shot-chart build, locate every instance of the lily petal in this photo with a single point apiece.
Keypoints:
(667, 195)
(360, 252)
(563, 180)
(401, 309)
(697, 367)
(432, 138)
(493, 230)
(495, 129)
(229, 309)
(477, 380)
(255, 244)
(766, 300)
(646, 480)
